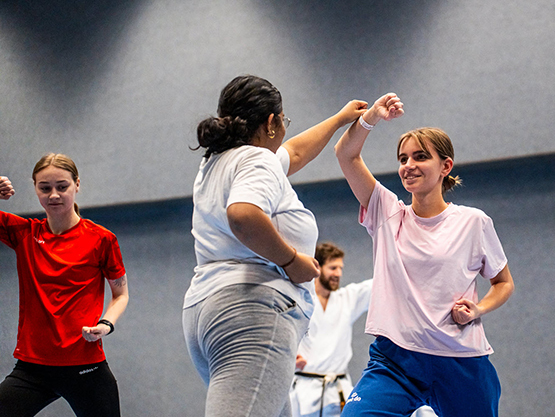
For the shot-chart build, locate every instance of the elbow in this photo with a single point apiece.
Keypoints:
(343, 155)
(339, 153)
(510, 283)
(337, 150)
(511, 288)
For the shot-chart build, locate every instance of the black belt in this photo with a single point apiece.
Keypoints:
(327, 378)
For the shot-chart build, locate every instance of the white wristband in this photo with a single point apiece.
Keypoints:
(365, 125)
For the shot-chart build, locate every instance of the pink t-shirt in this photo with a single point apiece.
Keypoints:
(422, 266)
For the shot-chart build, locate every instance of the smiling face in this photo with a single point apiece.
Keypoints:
(422, 170)
(331, 273)
(56, 189)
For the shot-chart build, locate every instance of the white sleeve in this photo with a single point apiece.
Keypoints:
(359, 297)
(257, 181)
(284, 159)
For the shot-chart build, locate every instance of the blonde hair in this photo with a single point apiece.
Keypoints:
(442, 144)
(61, 161)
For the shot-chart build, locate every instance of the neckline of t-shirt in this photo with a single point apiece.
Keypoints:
(435, 219)
(65, 231)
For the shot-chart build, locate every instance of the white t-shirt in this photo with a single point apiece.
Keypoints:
(327, 346)
(255, 175)
(422, 266)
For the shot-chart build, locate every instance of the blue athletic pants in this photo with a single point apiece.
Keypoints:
(398, 381)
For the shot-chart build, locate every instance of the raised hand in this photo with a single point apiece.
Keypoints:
(387, 107)
(6, 188)
(352, 111)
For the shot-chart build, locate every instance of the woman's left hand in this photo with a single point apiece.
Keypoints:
(92, 334)
(352, 111)
(464, 311)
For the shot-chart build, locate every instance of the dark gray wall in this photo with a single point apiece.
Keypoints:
(120, 86)
(148, 354)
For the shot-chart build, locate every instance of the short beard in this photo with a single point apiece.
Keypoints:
(326, 285)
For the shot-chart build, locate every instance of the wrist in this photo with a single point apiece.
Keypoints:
(107, 323)
(364, 124)
(371, 116)
(291, 259)
(337, 121)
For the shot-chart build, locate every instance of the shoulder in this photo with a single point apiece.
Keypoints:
(383, 195)
(92, 228)
(470, 213)
(248, 157)
(10, 219)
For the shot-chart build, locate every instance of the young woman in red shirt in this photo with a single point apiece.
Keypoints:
(62, 262)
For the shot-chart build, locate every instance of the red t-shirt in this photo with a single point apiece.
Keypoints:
(61, 287)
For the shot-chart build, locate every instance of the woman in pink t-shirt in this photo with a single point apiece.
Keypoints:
(62, 263)
(430, 345)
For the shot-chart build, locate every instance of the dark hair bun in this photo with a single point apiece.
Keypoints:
(245, 104)
(218, 134)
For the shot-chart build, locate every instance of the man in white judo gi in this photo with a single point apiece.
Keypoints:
(322, 382)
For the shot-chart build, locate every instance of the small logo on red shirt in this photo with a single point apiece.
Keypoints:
(39, 241)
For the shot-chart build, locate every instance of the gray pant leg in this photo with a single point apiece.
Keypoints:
(243, 340)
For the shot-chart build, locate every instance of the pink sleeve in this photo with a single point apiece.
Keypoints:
(382, 205)
(494, 259)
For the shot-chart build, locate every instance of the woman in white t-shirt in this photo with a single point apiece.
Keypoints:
(250, 299)
(430, 345)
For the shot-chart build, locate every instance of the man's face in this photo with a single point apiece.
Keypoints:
(331, 272)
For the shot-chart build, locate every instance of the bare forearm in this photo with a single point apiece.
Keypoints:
(349, 147)
(307, 145)
(498, 294)
(115, 309)
(119, 301)
(354, 169)
(255, 230)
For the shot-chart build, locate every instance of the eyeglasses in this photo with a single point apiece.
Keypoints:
(286, 121)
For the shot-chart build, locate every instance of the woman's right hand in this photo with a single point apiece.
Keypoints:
(304, 268)
(300, 363)
(6, 188)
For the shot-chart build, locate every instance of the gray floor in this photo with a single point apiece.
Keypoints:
(147, 352)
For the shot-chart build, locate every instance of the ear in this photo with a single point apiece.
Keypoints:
(447, 167)
(77, 183)
(269, 123)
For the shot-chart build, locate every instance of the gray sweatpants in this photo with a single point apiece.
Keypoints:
(243, 341)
